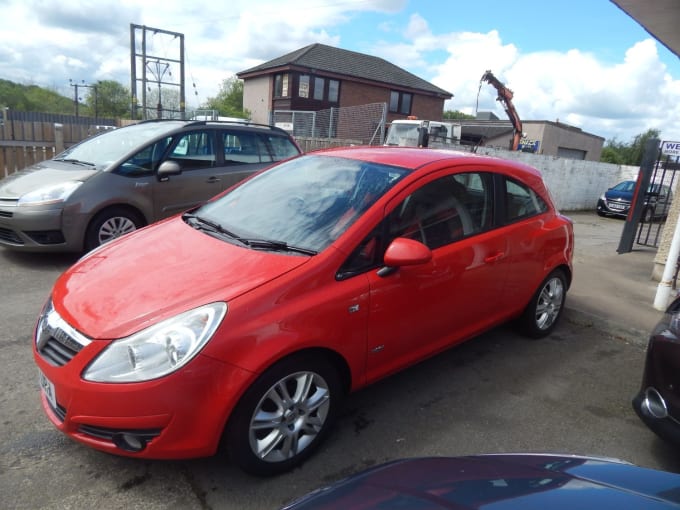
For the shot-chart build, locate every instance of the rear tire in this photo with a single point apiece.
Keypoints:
(545, 308)
(284, 416)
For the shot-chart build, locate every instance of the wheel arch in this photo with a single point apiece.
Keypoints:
(108, 208)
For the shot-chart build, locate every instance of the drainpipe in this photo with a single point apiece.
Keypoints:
(663, 291)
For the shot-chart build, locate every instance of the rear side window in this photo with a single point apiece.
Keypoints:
(521, 201)
(244, 148)
(281, 146)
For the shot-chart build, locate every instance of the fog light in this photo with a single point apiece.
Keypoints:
(129, 442)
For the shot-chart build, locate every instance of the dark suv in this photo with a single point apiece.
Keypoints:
(120, 180)
(617, 199)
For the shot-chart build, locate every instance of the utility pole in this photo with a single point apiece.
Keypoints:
(76, 98)
(143, 62)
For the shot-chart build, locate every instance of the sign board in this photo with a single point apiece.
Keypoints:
(670, 148)
(288, 126)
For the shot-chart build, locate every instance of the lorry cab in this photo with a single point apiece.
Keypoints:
(412, 132)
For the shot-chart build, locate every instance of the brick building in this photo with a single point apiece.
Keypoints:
(318, 77)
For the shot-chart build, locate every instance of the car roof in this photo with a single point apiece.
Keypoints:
(413, 157)
(243, 126)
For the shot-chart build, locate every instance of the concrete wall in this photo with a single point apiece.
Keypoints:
(575, 185)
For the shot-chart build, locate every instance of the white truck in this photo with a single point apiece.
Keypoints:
(423, 133)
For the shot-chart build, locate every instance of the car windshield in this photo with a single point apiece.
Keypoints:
(626, 186)
(305, 203)
(109, 147)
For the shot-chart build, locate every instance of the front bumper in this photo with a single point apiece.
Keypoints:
(181, 415)
(40, 228)
(613, 207)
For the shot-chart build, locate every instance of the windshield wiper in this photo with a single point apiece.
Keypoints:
(76, 162)
(213, 227)
(267, 244)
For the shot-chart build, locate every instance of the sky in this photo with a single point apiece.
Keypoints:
(585, 63)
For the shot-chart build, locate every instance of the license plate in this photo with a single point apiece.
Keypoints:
(618, 207)
(48, 389)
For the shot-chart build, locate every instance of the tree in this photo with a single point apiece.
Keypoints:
(456, 115)
(109, 99)
(229, 99)
(627, 154)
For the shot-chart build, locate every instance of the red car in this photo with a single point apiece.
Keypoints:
(245, 321)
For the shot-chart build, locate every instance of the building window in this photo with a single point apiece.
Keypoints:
(400, 102)
(333, 90)
(319, 85)
(303, 88)
(281, 85)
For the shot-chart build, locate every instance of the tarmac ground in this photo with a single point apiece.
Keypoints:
(614, 290)
(499, 392)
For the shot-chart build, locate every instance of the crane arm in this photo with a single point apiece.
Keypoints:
(505, 96)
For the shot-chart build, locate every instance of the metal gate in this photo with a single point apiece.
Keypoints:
(657, 201)
(364, 123)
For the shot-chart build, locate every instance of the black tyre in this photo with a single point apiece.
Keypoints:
(110, 224)
(648, 215)
(545, 308)
(284, 416)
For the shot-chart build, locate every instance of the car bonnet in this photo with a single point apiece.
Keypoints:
(156, 273)
(40, 175)
(499, 482)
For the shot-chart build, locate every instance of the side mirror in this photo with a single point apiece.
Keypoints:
(404, 252)
(168, 168)
(423, 137)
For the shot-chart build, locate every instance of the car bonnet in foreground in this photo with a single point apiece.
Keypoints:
(148, 276)
(516, 482)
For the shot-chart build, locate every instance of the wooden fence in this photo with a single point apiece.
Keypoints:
(24, 143)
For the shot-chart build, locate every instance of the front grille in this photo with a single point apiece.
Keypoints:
(58, 353)
(10, 236)
(6, 214)
(56, 340)
(107, 433)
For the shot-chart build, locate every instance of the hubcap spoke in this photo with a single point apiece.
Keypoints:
(289, 416)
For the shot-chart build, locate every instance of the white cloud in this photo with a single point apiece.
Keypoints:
(89, 40)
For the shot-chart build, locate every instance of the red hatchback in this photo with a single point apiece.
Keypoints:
(245, 321)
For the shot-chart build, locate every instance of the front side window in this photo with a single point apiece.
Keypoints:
(145, 161)
(439, 213)
(194, 150)
(445, 210)
(521, 201)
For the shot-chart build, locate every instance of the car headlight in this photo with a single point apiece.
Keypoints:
(603, 197)
(52, 194)
(157, 350)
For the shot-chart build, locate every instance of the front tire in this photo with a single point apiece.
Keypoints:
(110, 224)
(545, 308)
(284, 416)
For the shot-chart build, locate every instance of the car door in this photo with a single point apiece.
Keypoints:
(200, 178)
(421, 309)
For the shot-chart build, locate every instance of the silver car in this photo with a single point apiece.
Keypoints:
(121, 180)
